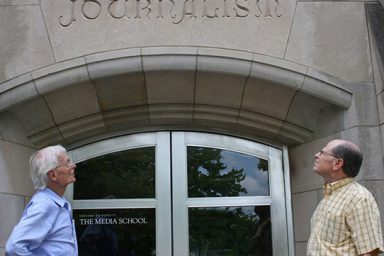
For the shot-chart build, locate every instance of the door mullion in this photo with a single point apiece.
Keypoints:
(179, 183)
(163, 195)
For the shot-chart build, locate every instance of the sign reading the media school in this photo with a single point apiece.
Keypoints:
(110, 219)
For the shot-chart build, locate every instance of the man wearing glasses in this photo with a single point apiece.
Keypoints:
(46, 226)
(347, 220)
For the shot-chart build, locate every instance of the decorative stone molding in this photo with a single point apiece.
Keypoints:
(122, 90)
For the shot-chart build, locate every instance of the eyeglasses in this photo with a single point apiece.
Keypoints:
(326, 153)
(69, 163)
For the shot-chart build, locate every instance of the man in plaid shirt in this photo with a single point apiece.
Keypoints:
(347, 220)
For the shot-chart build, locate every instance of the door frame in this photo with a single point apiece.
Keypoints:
(171, 154)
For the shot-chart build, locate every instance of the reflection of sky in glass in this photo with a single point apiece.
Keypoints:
(256, 181)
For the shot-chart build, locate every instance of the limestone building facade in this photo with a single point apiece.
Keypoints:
(287, 75)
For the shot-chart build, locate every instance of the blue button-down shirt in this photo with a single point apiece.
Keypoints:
(45, 228)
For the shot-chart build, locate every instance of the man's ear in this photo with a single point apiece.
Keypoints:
(52, 175)
(339, 163)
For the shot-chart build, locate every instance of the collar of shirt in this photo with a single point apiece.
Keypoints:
(60, 201)
(329, 188)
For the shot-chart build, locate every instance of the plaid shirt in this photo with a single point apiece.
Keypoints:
(347, 222)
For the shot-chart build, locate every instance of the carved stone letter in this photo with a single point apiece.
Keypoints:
(277, 5)
(139, 9)
(114, 6)
(244, 8)
(72, 16)
(184, 12)
(206, 14)
(89, 15)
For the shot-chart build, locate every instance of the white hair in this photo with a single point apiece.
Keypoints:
(42, 161)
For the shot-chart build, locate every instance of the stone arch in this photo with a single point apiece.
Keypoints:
(154, 88)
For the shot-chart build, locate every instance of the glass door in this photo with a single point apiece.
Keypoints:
(179, 193)
(122, 196)
(230, 196)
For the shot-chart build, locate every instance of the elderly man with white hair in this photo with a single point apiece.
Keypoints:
(46, 226)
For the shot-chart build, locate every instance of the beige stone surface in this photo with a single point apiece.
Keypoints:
(304, 204)
(170, 87)
(305, 111)
(118, 78)
(14, 170)
(253, 122)
(364, 107)
(34, 116)
(300, 248)
(24, 42)
(11, 129)
(324, 126)
(19, 2)
(380, 104)
(268, 98)
(74, 102)
(214, 116)
(87, 126)
(96, 26)
(126, 118)
(60, 75)
(219, 89)
(175, 114)
(377, 189)
(188, 87)
(377, 63)
(381, 127)
(327, 87)
(331, 37)
(17, 90)
(170, 74)
(11, 208)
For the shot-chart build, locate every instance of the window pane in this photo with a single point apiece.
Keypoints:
(115, 232)
(230, 231)
(125, 174)
(215, 172)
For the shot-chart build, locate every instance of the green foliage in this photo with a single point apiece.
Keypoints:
(263, 165)
(125, 174)
(208, 175)
(224, 231)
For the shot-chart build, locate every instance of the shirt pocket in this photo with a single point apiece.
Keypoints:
(334, 229)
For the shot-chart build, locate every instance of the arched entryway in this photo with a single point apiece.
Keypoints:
(181, 193)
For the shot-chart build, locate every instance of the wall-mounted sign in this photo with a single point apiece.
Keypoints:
(109, 219)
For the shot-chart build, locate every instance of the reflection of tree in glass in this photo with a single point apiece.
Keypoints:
(125, 174)
(260, 244)
(223, 231)
(208, 176)
(263, 165)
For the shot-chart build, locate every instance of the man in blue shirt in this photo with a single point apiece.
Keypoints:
(46, 226)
